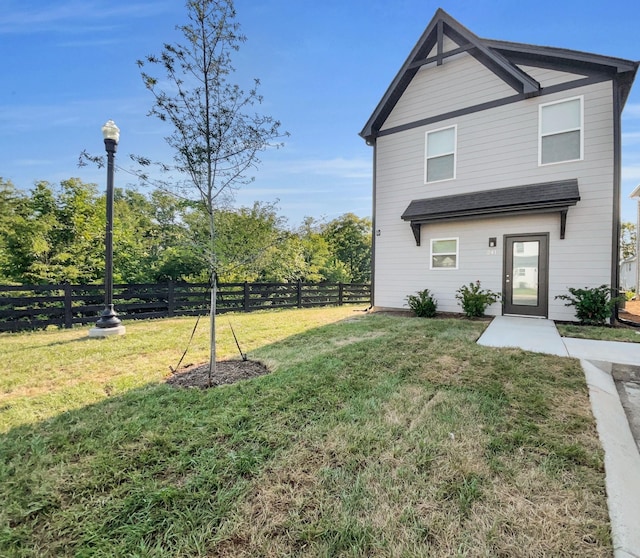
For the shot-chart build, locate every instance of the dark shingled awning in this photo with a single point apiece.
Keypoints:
(533, 198)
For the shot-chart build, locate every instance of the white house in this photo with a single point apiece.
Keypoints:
(498, 162)
(629, 274)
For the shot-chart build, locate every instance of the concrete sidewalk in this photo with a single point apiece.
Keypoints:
(530, 334)
(599, 360)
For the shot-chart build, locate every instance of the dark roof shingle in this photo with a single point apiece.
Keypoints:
(533, 197)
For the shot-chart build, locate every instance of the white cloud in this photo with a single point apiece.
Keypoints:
(65, 15)
(357, 168)
(631, 172)
(34, 162)
(630, 138)
(631, 110)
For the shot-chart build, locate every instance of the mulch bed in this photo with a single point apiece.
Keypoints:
(227, 372)
(631, 311)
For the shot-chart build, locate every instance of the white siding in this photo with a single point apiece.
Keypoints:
(447, 45)
(546, 77)
(497, 148)
(458, 83)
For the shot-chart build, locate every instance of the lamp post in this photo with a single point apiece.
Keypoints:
(109, 324)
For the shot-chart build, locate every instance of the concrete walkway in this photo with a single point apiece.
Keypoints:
(601, 361)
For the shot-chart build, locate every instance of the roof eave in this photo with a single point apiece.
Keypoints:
(501, 57)
(515, 77)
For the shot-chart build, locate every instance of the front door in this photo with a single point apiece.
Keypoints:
(525, 283)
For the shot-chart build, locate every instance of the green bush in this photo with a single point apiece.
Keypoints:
(423, 304)
(474, 300)
(593, 305)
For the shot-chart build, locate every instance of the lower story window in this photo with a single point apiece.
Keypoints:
(444, 253)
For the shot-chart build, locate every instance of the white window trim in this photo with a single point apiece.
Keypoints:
(454, 153)
(581, 129)
(457, 254)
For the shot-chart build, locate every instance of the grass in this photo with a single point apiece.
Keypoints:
(601, 333)
(375, 435)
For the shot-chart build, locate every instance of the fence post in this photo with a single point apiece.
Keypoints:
(246, 296)
(170, 299)
(299, 293)
(340, 294)
(68, 312)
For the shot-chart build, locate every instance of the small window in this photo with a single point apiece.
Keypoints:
(561, 137)
(444, 253)
(440, 155)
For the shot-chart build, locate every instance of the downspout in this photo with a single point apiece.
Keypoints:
(372, 141)
(617, 172)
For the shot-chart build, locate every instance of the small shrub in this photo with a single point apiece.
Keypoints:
(474, 300)
(423, 304)
(593, 305)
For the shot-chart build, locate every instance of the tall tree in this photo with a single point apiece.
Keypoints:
(12, 204)
(315, 249)
(216, 135)
(55, 235)
(349, 238)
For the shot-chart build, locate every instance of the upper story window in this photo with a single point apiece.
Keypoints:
(561, 131)
(440, 155)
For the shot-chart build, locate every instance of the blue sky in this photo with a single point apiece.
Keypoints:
(70, 65)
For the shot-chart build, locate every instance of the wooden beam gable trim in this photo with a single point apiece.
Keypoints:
(443, 24)
(500, 57)
(440, 42)
(443, 56)
(492, 104)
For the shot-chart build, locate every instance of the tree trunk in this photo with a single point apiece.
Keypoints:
(212, 321)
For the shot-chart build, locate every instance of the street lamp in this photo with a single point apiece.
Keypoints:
(109, 324)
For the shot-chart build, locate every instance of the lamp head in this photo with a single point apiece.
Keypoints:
(110, 131)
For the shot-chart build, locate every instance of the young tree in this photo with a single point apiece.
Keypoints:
(628, 240)
(216, 135)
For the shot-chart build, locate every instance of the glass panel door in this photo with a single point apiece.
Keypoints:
(525, 267)
(525, 289)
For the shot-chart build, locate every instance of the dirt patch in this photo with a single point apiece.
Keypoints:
(631, 311)
(226, 372)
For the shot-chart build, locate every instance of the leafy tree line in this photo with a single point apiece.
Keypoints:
(55, 234)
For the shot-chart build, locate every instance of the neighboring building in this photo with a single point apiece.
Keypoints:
(497, 162)
(629, 274)
(636, 195)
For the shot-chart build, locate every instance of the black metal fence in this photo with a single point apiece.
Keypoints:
(27, 307)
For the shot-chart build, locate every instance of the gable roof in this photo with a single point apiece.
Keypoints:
(498, 56)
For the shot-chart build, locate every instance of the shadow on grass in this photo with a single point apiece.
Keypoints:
(158, 470)
(145, 467)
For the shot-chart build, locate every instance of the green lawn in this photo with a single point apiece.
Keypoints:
(374, 435)
(601, 333)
